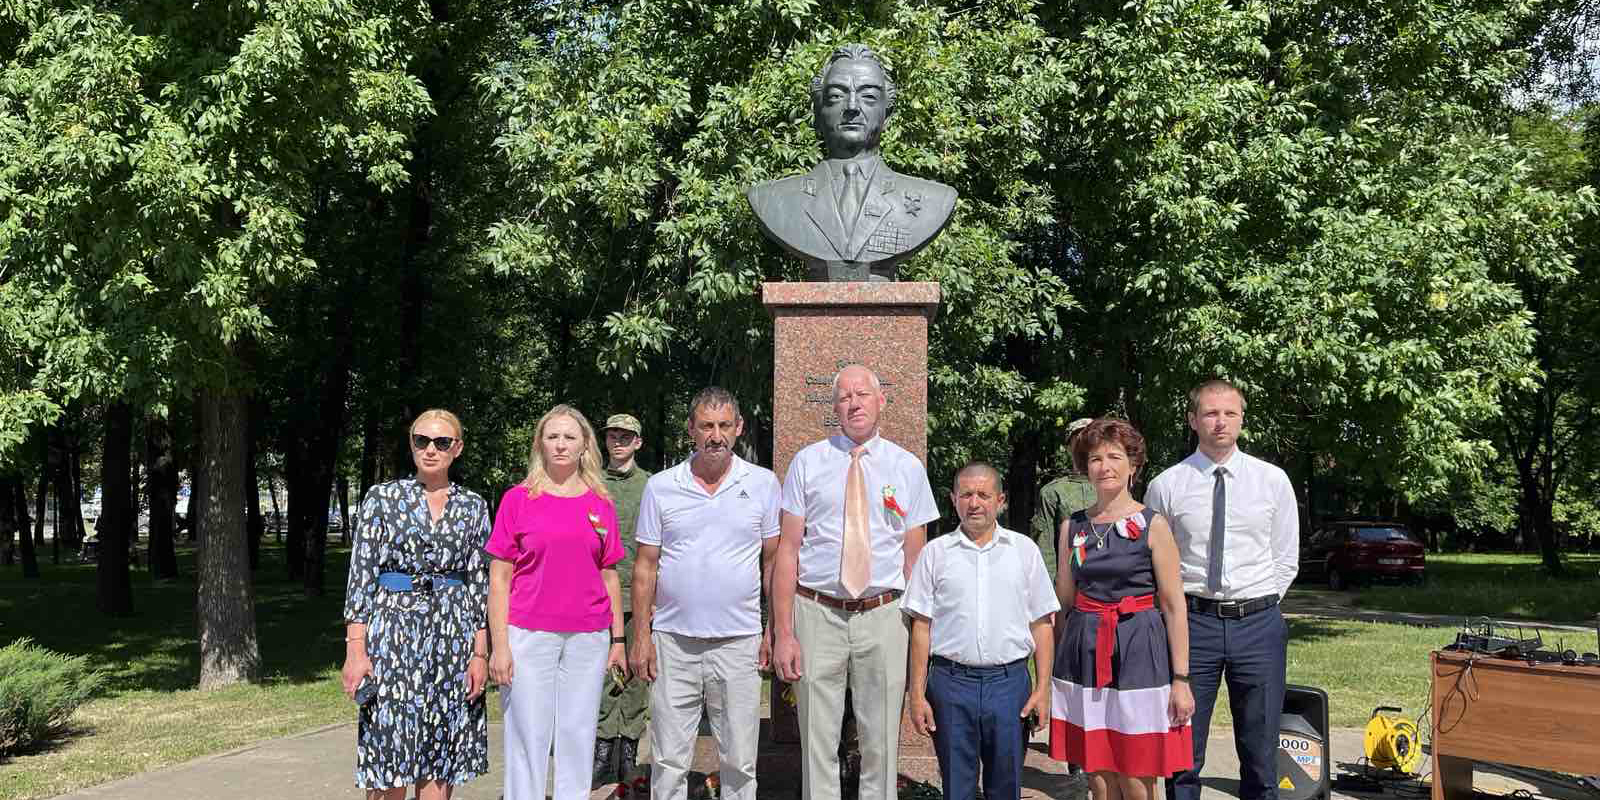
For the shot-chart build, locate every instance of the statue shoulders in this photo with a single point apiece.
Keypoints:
(932, 192)
(765, 192)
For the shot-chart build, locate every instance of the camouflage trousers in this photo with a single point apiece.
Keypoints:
(624, 713)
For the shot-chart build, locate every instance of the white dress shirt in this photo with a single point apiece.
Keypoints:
(814, 490)
(708, 583)
(980, 601)
(1261, 545)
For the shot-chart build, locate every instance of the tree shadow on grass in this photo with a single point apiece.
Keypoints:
(1303, 630)
(58, 739)
(156, 648)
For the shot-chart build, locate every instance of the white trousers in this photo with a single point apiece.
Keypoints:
(867, 651)
(719, 675)
(553, 699)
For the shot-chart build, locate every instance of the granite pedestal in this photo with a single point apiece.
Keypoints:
(820, 328)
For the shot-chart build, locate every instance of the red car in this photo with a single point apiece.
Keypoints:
(1349, 552)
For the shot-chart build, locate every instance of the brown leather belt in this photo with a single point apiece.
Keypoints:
(851, 606)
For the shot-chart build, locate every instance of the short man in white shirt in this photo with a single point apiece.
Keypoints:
(1237, 528)
(706, 527)
(980, 602)
(855, 510)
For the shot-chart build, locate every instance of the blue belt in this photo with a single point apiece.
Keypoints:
(421, 582)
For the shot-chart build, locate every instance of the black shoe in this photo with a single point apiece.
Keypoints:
(604, 772)
(627, 758)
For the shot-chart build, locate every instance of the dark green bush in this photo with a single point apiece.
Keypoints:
(39, 690)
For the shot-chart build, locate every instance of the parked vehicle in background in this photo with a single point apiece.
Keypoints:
(1355, 551)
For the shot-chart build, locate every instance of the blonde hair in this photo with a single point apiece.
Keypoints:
(441, 415)
(588, 458)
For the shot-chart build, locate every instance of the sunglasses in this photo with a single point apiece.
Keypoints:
(440, 443)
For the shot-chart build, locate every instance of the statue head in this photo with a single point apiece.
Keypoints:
(851, 99)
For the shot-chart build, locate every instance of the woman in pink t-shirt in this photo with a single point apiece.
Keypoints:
(555, 613)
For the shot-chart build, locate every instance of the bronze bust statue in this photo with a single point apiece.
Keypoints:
(851, 218)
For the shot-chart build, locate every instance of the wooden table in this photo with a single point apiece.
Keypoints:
(1508, 711)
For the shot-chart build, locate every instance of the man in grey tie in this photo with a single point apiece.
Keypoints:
(1237, 527)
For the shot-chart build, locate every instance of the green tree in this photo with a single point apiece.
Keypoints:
(1317, 200)
(157, 160)
(1547, 424)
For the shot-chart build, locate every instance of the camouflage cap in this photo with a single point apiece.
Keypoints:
(1077, 425)
(624, 422)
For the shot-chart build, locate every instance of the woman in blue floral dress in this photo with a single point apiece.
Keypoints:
(415, 614)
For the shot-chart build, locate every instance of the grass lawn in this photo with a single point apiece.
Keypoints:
(149, 716)
(1498, 585)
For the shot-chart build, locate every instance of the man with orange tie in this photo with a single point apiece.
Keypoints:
(855, 508)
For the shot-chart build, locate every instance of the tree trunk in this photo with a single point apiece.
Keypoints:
(133, 501)
(29, 545)
(198, 489)
(75, 453)
(343, 485)
(369, 450)
(162, 488)
(252, 497)
(294, 479)
(114, 588)
(229, 652)
(9, 523)
(1022, 479)
(43, 495)
(278, 520)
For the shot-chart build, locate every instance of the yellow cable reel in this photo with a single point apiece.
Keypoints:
(1392, 741)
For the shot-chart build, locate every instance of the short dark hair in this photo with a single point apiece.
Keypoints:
(714, 397)
(984, 467)
(1213, 385)
(1104, 431)
(854, 52)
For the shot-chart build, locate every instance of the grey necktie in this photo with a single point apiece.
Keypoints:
(850, 208)
(1219, 524)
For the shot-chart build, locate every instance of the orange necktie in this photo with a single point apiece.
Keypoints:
(855, 565)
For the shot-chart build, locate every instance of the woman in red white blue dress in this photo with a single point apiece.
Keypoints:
(1120, 702)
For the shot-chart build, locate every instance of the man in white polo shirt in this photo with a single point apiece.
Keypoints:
(855, 507)
(980, 601)
(705, 528)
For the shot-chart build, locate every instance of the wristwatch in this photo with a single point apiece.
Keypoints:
(1181, 676)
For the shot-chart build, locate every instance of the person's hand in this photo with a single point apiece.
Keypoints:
(643, 658)
(1037, 707)
(790, 661)
(922, 715)
(356, 667)
(500, 666)
(617, 659)
(764, 659)
(477, 676)
(1180, 704)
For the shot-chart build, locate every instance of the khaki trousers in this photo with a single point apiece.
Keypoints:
(867, 652)
(719, 675)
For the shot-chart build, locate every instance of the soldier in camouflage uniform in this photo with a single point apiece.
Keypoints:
(1058, 500)
(624, 710)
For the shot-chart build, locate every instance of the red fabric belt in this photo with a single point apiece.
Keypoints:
(1105, 642)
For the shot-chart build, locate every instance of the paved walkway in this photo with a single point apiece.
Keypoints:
(317, 766)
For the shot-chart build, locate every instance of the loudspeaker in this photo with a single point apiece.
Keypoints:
(1303, 745)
